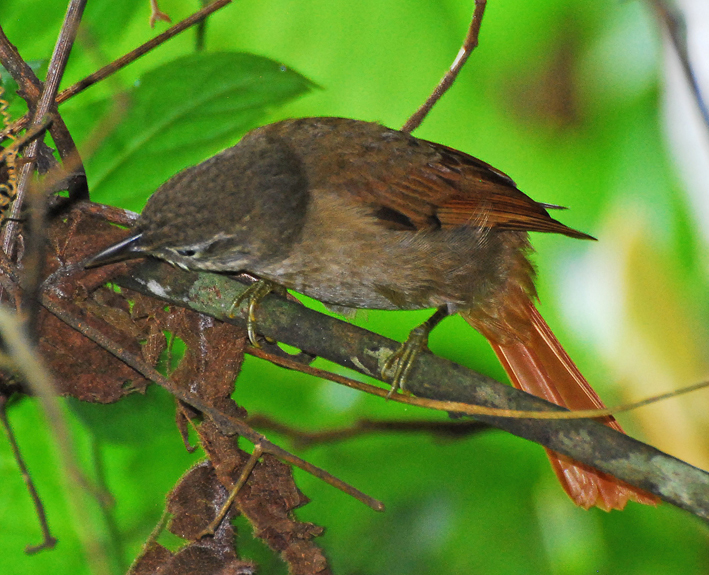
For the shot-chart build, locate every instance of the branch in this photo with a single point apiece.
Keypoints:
(586, 441)
(303, 438)
(55, 72)
(124, 60)
(27, 362)
(672, 19)
(30, 88)
(48, 540)
(469, 44)
(141, 50)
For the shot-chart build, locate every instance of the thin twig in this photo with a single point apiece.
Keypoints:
(49, 541)
(226, 424)
(304, 438)
(157, 14)
(151, 540)
(34, 260)
(469, 44)
(30, 136)
(672, 19)
(465, 408)
(141, 50)
(27, 363)
(29, 87)
(128, 58)
(200, 32)
(18, 68)
(25, 77)
(55, 72)
(243, 478)
(9, 277)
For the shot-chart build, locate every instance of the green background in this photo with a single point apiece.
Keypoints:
(563, 95)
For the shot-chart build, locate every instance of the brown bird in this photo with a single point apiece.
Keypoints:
(361, 216)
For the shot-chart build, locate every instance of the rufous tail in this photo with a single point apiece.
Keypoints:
(537, 364)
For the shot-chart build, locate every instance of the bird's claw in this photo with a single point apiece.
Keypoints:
(254, 294)
(403, 359)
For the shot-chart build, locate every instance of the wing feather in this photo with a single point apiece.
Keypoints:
(452, 189)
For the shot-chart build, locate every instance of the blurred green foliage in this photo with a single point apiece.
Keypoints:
(561, 94)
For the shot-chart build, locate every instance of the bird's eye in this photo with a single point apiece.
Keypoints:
(188, 252)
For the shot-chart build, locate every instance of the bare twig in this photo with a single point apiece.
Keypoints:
(33, 265)
(151, 540)
(201, 32)
(20, 71)
(9, 277)
(469, 44)
(465, 408)
(302, 438)
(57, 64)
(30, 88)
(672, 19)
(39, 380)
(27, 363)
(141, 50)
(30, 136)
(49, 540)
(128, 58)
(157, 14)
(243, 478)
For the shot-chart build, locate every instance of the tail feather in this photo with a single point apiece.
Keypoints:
(540, 366)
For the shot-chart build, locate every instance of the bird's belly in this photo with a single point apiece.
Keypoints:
(397, 270)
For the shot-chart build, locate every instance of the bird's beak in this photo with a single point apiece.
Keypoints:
(124, 250)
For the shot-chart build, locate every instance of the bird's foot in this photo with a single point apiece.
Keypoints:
(254, 294)
(402, 360)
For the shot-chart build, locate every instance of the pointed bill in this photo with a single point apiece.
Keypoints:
(123, 250)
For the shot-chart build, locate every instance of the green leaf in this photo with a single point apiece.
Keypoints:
(179, 114)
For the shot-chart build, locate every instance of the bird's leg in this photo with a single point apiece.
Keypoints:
(402, 360)
(254, 294)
